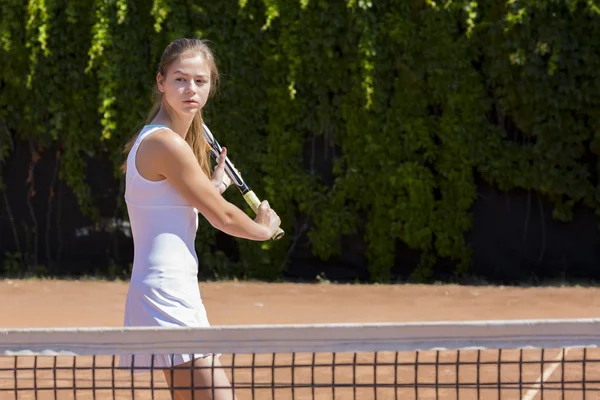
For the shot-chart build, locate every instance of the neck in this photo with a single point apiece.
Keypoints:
(177, 125)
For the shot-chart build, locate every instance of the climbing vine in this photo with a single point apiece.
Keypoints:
(355, 118)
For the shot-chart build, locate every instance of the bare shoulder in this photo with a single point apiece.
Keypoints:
(162, 154)
(165, 143)
(164, 138)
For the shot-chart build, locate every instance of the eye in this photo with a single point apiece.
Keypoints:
(180, 79)
(201, 81)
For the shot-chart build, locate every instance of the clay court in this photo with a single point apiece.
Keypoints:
(54, 303)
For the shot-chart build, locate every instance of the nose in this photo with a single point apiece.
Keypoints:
(191, 88)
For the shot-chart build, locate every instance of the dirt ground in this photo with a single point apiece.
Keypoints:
(55, 303)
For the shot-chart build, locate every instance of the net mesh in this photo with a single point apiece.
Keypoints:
(479, 360)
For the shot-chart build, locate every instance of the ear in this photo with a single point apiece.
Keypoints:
(160, 82)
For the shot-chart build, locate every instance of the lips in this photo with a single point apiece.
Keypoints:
(191, 102)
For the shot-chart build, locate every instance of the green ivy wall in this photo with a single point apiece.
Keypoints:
(410, 100)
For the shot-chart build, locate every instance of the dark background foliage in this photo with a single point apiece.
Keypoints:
(398, 140)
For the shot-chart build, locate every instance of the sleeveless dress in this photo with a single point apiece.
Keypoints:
(163, 289)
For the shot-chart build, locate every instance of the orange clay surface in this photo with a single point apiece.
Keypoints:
(56, 303)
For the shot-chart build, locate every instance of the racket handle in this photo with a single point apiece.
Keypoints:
(254, 203)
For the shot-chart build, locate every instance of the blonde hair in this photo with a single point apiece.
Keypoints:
(195, 136)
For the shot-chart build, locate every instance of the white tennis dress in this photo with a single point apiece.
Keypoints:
(164, 285)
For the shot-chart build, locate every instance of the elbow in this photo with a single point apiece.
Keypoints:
(223, 222)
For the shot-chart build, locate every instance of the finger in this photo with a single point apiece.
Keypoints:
(221, 161)
(264, 205)
(223, 156)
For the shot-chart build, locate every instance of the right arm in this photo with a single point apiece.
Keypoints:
(169, 156)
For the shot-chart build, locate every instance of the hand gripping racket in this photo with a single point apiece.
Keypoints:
(214, 149)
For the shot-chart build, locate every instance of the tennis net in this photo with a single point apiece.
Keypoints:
(527, 360)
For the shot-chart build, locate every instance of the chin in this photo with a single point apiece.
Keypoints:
(189, 110)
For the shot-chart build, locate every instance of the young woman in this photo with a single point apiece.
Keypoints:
(168, 182)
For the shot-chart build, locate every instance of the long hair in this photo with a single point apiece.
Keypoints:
(194, 137)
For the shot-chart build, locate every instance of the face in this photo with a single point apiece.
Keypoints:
(186, 84)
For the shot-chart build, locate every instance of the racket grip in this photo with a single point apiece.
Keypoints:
(254, 203)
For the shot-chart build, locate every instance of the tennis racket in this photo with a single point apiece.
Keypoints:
(214, 148)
